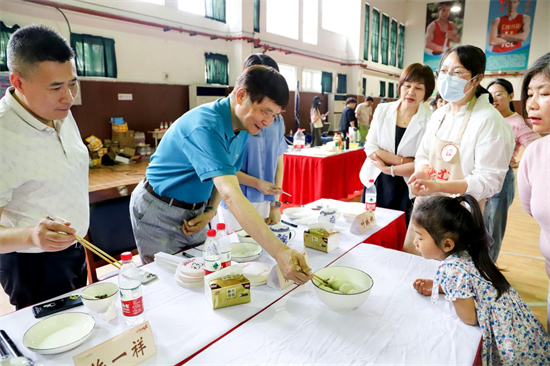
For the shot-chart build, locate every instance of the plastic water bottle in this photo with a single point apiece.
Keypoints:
(211, 253)
(370, 196)
(299, 139)
(225, 247)
(129, 284)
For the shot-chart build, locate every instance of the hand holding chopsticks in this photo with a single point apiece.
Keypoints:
(100, 253)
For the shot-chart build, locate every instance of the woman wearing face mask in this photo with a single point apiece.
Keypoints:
(395, 133)
(316, 121)
(496, 208)
(468, 145)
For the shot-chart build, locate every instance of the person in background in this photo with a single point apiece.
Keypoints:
(451, 230)
(441, 31)
(534, 169)
(196, 164)
(440, 102)
(262, 169)
(363, 113)
(433, 105)
(383, 100)
(457, 153)
(348, 119)
(510, 30)
(395, 134)
(43, 171)
(316, 124)
(496, 208)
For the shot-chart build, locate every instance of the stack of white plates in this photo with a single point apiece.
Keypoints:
(169, 261)
(190, 273)
(256, 272)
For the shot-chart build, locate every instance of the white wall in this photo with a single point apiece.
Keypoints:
(145, 54)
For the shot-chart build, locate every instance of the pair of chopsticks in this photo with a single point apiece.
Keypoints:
(100, 253)
(324, 282)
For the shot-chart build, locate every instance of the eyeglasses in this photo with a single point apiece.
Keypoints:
(499, 96)
(456, 73)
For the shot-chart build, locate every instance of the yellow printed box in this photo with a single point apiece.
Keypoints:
(233, 289)
(120, 128)
(322, 240)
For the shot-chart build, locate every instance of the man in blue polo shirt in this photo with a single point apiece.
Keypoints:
(195, 165)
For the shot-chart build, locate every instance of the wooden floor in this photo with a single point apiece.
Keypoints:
(520, 255)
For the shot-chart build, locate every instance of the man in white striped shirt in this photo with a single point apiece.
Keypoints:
(43, 171)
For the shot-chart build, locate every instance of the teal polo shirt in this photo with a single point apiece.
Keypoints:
(200, 145)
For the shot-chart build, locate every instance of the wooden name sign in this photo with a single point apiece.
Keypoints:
(129, 348)
(363, 222)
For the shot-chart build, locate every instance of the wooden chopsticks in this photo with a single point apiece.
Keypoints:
(324, 282)
(100, 253)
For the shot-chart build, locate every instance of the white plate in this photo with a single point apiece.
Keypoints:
(193, 267)
(188, 284)
(244, 237)
(245, 252)
(59, 333)
(297, 212)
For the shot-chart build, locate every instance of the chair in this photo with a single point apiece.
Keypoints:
(110, 227)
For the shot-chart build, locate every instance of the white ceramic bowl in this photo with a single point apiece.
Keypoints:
(342, 302)
(245, 238)
(59, 333)
(297, 212)
(100, 289)
(245, 252)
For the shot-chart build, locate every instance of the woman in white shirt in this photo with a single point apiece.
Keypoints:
(395, 133)
(468, 145)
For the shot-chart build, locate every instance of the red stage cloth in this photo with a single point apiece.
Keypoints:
(391, 236)
(309, 178)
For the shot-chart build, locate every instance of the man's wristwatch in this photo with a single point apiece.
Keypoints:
(275, 204)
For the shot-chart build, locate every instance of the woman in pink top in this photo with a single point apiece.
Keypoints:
(496, 208)
(534, 170)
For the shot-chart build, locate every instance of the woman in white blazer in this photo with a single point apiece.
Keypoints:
(394, 136)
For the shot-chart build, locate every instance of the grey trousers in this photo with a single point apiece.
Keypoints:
(157, 225)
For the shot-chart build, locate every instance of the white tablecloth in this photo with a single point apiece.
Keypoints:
(396, 325)
(181, 320)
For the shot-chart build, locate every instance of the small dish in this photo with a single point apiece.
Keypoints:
(245, 252)
(59, 333)
(245, 238)
(297, 212)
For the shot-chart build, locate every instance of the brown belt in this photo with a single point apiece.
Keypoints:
(173, 201)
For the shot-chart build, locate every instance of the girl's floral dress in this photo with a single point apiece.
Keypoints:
(512, 335)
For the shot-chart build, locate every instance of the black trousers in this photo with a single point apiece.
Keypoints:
(316, 135)
(30, 278)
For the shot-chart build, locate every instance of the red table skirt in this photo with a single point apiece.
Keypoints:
(308, 178)
(391, 236)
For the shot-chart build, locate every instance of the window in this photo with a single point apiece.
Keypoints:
(336, 17)
(364, 86)
(342, 84)
(216, 69)
(326, 82)
(390, 90)
(375, 35)
(311, 81)
(385, 38)
(310, 19)
(366, 41)
(283, 20)
(5, 34)
(393, 42)
(401, 49)
(396, 90)
(256, 15)
(192, 6)
(289, 73)
(215, 9)
(382, 89)
(95, 56)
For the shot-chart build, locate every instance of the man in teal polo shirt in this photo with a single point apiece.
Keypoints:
(195, 165)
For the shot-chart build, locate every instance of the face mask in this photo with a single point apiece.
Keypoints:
(451, 88)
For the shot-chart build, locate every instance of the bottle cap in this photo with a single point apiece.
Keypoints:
(211, 233)
(220, 226)
(126, 256)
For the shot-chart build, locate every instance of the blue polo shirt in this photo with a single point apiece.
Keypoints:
(200, 145)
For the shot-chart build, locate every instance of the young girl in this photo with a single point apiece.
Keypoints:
(452, 230)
